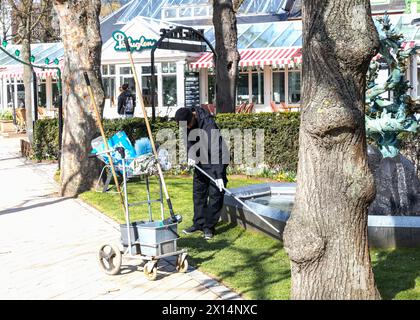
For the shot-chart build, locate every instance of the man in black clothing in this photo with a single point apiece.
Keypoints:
(210, 155)
(126, 102)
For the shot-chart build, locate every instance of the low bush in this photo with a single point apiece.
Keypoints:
(45, 144)
(6, 115)
(281, 134)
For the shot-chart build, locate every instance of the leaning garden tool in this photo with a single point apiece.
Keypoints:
(101, 128)
(237, 199)
(149, 132)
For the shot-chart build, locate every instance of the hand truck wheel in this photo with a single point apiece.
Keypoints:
(150, 270)
(110, 259)
(182, 263)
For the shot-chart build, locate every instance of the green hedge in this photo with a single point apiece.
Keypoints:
(45, 146)
(281, 134)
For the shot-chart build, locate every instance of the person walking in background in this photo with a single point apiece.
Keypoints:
(126, 102)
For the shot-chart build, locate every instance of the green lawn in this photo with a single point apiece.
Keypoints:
(251, 263)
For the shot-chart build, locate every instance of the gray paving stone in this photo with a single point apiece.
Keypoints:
(49, 245)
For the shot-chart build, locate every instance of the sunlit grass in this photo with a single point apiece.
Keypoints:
(253, 264)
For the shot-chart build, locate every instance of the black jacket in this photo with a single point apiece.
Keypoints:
(121, 101)
(205, 121)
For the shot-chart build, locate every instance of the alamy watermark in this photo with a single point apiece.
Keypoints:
(226, 146)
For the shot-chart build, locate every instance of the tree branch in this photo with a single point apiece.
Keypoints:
(237, 4)
(13, 5)
(41, 15)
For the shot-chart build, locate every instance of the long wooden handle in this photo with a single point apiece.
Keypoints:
(101, 128)
(149, 130)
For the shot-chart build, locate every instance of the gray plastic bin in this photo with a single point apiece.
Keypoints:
(151, 238)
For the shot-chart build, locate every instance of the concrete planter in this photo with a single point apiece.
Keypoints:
(7, 126)
(383, 231)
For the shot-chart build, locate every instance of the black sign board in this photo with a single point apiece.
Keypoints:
(182, 34)
(183, 39)
(192, 90)
(183, 46)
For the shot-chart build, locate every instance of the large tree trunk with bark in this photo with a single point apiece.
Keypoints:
(79, 26)
(326, 237)
(224, 20)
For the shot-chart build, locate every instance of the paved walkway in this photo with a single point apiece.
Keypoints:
(49, 245)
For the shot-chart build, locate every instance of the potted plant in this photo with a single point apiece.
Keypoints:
(6, 121)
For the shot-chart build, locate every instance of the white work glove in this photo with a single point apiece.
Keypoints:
(191, 162)
(220, 184)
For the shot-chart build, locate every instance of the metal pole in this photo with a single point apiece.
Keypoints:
(127, 215)
(148, 199)
(162, 209)
(60, 128)
(152, 86)
(35, 96)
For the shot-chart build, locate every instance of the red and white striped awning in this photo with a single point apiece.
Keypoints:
(405, 46)
(16, 71)
(257, 57)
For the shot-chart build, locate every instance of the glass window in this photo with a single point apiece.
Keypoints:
(185, 12)
(147, 70)
(20, 90)
(104, 69)
(55, 94)
(258, 88)
(109, 87)
(168, 67)
(125, 70)
(211, 92)
(200, 12)
(112, 69)
(42, 95)
(249, 36)
(243, 89)
(10, 93)
(169, 91)
(278, 87)
(146, 90)
(294, 87)
(169, 13)
(172, 67)
(130, 81)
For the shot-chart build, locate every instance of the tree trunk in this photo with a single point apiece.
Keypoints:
(326, 237)
(224, 20)
(27, 82)
(79, 26)
(25, 34)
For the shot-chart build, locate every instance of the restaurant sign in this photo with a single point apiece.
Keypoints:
(136, 45)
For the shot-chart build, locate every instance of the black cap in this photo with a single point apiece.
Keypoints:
(183, 114)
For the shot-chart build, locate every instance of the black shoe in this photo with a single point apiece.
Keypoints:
(191, 229)
(208, 234)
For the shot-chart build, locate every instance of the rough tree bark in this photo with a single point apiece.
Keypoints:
(224, 21)
(27, 77)
(80, 33)
(326, 237)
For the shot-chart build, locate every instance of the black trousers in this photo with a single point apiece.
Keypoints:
(208, 200)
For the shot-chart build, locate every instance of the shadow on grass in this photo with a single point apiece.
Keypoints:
(396, 271)
(200, 244)
(258, 271)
